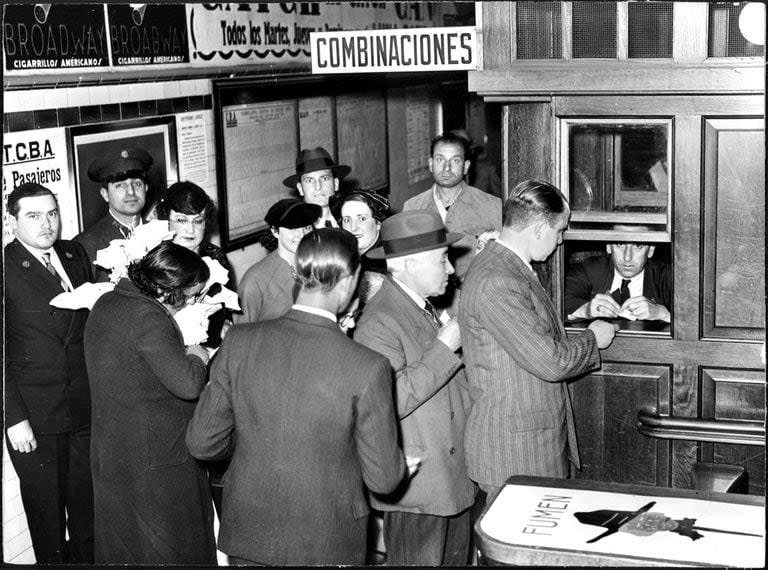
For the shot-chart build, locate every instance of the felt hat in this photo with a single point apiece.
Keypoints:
(412, 231)
(292, 213)
(127, 163)
(309, 160)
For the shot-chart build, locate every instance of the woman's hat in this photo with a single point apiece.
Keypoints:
(309, 160)
(412, 231)
(292, 213)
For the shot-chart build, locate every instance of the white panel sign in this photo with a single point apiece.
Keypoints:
(413, 49)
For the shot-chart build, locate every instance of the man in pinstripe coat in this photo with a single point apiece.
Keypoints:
(517, 354)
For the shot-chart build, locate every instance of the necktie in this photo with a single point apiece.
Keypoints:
(430, 308)
(624, 291)
(52, 270)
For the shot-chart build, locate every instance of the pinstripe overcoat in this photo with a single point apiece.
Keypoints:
(518, 359)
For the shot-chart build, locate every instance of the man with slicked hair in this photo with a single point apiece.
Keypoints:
(307, 418)
(517, 354)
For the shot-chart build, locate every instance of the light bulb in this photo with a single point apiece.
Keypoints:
(752, 23)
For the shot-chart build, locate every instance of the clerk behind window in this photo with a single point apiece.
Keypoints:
(625, 283)
(47, 399)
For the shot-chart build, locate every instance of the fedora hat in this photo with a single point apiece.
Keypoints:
(412, 231)
(309, 160)
(127, 163)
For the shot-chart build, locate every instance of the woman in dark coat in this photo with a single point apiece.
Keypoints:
(152, 503)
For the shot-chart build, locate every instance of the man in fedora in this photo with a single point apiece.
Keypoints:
(266, 290)
(317, 179)
(123, 179)
(426, 520)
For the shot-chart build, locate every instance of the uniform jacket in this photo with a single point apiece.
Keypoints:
(266, 290)
(595, 275)
(473, 213)
(98, 237)
(432, 403)
(45, 374)
(518, 358)
(152, 503)
(308, 419)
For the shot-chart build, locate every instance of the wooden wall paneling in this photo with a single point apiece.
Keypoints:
(733, 260)
(529, 142)
(689, 31)
(686, 225)
(730, 394)
(576, 77)
(631, 347)
(659, 105)
(606, 405)
(685, 403)
(497, 34)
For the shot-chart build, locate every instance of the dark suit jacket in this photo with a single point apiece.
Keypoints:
(309, 415)
(45, 375)
(595, 275)
(432, 402)
(518, 359)
(98, 237)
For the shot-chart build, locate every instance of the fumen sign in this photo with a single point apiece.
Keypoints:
(413, 49)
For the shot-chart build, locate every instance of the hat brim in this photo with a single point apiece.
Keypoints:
(379, 253)
(339, 171)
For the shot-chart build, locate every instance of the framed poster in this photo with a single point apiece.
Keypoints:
(156, 135)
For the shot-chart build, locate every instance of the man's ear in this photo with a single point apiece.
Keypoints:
(335, 185)
(13, 223)
(467, 164)
(431, 163)
(275, 232)
(539, 227)
(300, 189)
(104, 194)
(651, 251)
(608, 248)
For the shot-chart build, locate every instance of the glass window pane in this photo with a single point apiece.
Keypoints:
(650, 29)
(539, 30)
(594, 29)
(616, 167)
(725, 37)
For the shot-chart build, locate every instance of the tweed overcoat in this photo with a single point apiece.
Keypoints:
(307, 416)
(432, 402)
(518, 360)
(152, 503)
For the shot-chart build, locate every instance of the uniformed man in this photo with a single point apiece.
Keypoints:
(123, 179)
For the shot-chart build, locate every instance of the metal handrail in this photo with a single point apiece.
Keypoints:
(651, 424)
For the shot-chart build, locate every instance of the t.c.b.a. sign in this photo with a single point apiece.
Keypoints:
(54, 36)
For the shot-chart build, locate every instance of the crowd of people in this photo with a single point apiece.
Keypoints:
(407, 363)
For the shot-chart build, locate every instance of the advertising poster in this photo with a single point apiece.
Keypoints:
(148, 34)
(39, 156)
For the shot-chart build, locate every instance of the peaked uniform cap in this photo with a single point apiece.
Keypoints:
(310, 160)
(127, 163)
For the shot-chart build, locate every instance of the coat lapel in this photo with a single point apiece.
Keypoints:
(70, 264)
(32, 271)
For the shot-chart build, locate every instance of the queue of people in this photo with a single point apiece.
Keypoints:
(344, 385)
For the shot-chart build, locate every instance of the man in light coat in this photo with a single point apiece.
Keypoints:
(426, 521)
(518, 356)
(464, 209)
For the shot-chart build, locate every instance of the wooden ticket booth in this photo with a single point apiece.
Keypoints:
(650, 113)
